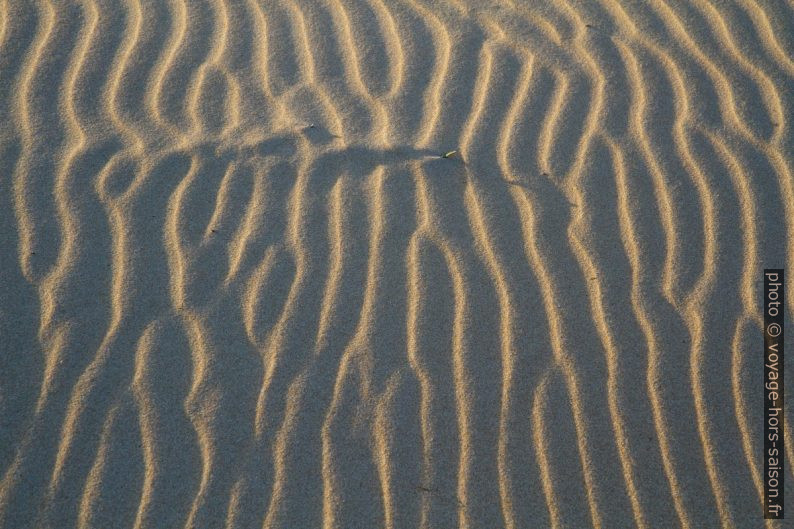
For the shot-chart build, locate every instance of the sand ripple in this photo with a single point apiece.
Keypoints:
(240, 288)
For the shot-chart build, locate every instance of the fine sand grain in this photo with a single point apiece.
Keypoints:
(240, 286)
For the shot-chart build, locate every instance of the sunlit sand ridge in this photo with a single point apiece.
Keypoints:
(240, 287)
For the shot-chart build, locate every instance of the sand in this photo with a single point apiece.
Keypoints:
(240, 287)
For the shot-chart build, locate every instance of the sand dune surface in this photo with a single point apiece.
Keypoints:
(240, 286)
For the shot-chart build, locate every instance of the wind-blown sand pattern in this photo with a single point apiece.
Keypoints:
(240, 288)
